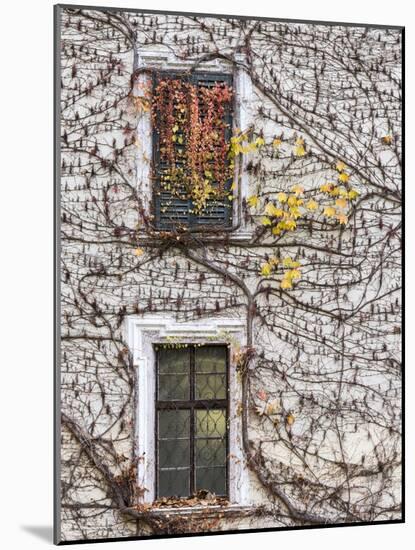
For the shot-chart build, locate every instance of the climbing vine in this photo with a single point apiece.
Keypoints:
(316, 277)
(193, 145)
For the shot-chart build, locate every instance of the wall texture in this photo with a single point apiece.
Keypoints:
(318, 366)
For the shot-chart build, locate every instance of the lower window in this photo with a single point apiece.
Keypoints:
(192, 421)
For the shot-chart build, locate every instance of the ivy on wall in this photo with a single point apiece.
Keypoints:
(318, 283)
(192, 131)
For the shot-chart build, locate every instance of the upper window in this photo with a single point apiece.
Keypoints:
(193, 170)
(191, 421)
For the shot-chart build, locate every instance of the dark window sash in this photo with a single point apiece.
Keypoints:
(192, 405)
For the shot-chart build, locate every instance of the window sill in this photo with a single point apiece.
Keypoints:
(232, 236)
(198, 510)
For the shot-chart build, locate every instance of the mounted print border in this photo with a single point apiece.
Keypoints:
(228, 274)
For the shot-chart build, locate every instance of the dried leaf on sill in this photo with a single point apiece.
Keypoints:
(202, 498)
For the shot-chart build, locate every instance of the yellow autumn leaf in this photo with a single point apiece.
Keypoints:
(259, 141)
(329, 211)
(289, 262)
(290, 225)
(272, 210)
(233, 186)
(293, 274)
(340, 166)
(326, 187)
(249, 148)
(265, 221)
(286, 284)
(299, 151)
(297, 189)
(282, 197)
(277, 142)
(266, 270)
(341, 203)
(290, 419)
(311, 205)
(253, 201)
(353, 194)
(342, 218)
(295, 212)
(343, 177)
(235, 150)
(138, 252)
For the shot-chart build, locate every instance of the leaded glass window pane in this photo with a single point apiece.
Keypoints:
(192, 412)
(173, 452)
(173, 375)
(210, 367)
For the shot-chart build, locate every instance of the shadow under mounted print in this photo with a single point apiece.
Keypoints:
(230, 214)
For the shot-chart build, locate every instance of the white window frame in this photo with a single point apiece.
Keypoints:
(161, 58)
(142, 334)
